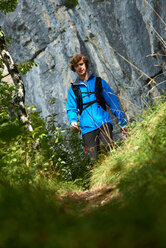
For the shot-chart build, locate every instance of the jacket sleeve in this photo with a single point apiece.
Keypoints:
(113, 103)
(72, 111)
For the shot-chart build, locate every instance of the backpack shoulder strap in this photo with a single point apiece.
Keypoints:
(98, 93)
(78, 96)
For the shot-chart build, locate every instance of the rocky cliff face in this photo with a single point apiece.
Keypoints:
(118, 36)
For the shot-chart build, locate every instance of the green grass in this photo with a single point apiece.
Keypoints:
(145, 149)
(33, 216)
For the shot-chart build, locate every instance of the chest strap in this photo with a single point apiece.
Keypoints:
(98, 93)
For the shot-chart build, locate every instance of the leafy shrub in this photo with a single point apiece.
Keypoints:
(47, 151)
(8, 5)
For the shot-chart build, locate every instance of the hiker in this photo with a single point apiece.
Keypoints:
(88, 97)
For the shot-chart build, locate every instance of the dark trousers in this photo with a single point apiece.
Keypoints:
(97, 140)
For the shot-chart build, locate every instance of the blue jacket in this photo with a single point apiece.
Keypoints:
(93, 116)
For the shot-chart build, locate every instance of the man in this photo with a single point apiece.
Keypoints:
(88, 97)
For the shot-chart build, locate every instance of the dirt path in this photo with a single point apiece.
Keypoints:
(84, 202)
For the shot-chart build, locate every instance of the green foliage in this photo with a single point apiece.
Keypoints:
(33, 217)
(6, 104)
(71, 3)
(7, 39)
(1, 33)
(25, 66)
(46, 152)
(68, 151)
(31, 164)
(1, 71)
(145, 147)
(8, 5)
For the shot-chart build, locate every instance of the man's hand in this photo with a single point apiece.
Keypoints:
(74, 125)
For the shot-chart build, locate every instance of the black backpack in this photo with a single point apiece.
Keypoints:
(98, 93)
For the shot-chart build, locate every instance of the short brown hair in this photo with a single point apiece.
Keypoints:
(76, 58)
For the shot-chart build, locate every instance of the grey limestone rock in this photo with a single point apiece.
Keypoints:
(119, 37)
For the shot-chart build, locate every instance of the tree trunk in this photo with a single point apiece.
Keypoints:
(19, 96)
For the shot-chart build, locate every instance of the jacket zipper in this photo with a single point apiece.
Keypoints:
(88, 90)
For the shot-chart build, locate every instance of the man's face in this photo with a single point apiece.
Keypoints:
(80, 68)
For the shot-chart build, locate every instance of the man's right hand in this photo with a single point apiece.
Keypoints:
(74, 125)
